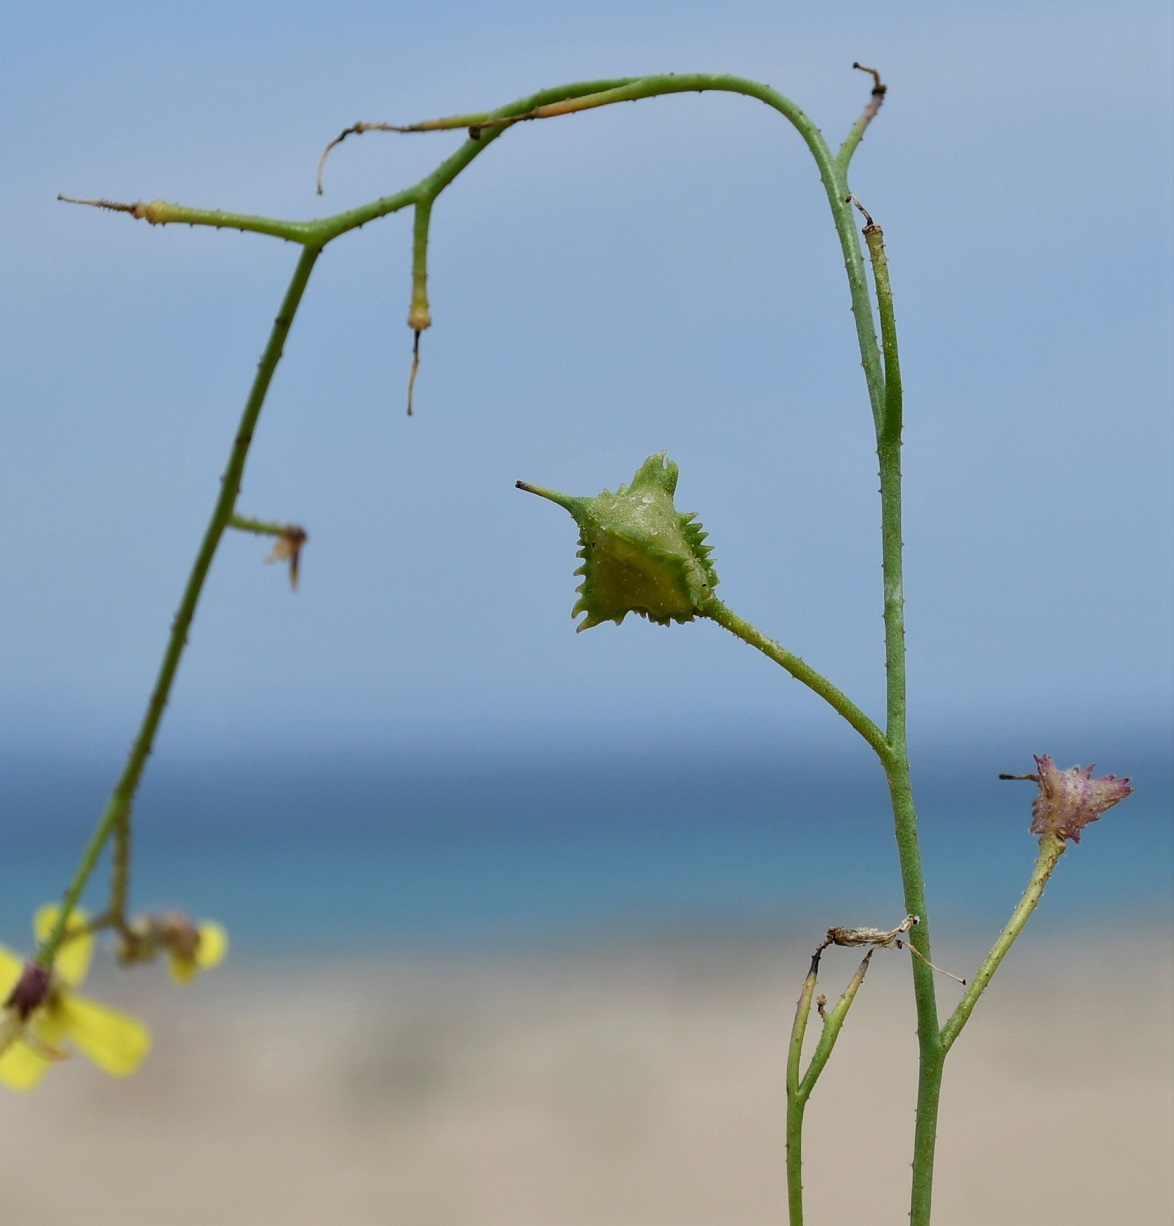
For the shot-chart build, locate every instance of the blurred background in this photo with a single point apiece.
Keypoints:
(413, 762)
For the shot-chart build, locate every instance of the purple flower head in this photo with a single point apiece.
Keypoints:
(1069, 800)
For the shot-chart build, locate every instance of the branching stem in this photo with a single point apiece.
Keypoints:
(117, 809)
(882, 379)
(799, 1088)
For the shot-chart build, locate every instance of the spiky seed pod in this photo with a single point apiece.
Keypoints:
(639, 554)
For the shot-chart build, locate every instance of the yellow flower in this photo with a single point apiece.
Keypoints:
(191, 947)
(42, 1012)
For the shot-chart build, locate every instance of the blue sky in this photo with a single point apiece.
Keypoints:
(660, 276)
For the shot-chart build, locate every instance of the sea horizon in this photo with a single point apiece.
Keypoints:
(544, 847)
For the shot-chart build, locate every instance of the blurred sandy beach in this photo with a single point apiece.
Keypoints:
(636, 1086)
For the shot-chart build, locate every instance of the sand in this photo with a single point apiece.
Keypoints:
(610, 1087)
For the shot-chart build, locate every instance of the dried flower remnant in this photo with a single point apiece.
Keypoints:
(639, 554)
(880, 938)
(288, 548)
(42, 1013)
(190, 947)
(1069, 799)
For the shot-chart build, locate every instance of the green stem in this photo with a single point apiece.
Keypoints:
(317, 233)
(799, 1088)
(795, 1101)
(419, 312)
(1051, 849)
(908, 848)
(894, 394)
(120, 869)
(117, 808)
(803, 672)
(881, 378)
(313, 235)
(833, 1023)
(832, 170)
(163, 213)
(930, 1054)
(260, 527)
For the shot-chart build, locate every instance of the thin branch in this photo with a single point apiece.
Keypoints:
(480, 119)
(834, 1019)
(137, 210)
(1051, 848)
(856, 134)
(288, 545)
(163, 213)
(357, 129)
(879, 89)
(544, 104)
(117, 808)
(802, 672)
(797, 1102)
(852, 199)
(874, 237)
(415, 368)
(120, 869)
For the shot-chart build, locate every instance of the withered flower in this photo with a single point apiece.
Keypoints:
(190, 946)
(1069, 799)
(288, 548)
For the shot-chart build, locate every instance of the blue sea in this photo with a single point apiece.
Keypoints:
(331, 855)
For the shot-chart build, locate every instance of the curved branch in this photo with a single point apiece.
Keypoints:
(804, 673)
(485, 127)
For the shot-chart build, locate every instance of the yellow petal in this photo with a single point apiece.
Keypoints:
(213, 945)
(11, 968)
(210, 951)
(72, 963)
(115, 1042)
(21, 1067)
(182, 970)
(48, 1028)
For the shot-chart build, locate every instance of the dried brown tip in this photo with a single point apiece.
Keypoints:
(415, 368)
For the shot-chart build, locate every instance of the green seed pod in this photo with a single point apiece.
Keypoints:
(639, 555)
